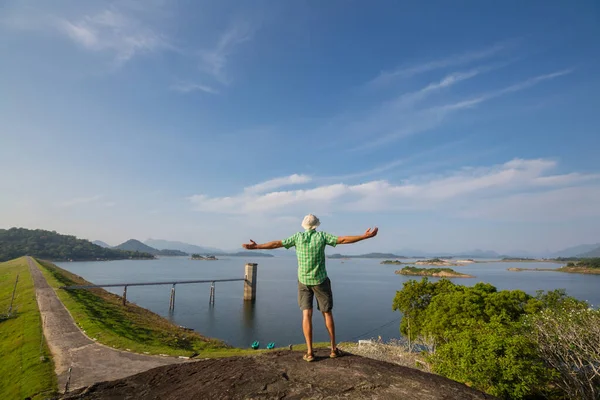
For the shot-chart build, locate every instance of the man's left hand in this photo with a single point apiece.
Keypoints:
(250, 246)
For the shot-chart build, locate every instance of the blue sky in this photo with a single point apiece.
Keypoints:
(450, 126)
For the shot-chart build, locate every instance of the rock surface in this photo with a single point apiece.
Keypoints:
(282, 375)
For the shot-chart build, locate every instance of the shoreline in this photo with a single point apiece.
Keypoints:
(569, 270)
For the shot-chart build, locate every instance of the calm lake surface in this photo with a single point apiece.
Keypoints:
(363, 291)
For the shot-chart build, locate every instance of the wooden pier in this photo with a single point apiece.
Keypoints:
(249, 286)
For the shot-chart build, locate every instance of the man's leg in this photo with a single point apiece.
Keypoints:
(307, 328)
(305, 301)
(330, 328)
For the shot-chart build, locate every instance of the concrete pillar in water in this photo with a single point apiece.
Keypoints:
(250, 282)
(172, 301)
(211, 299)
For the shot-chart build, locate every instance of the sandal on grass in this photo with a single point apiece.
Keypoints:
(335, 353)
(308, 357)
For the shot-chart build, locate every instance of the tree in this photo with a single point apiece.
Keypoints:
(494, 357)
(477, 332)
(567, 338)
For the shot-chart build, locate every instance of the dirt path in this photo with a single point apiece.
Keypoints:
(90, 361)
(282, 375)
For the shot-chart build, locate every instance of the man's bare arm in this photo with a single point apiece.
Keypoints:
(265, 246)
(353, 239)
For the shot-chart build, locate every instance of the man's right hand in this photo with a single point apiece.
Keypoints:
(252, 245)
(371, 233)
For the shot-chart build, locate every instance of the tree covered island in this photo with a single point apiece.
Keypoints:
(201, 257)
(582, 266)
(434, 272)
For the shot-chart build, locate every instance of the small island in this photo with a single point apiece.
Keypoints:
(201, 257)
(440, 262)
(393, 262)
(583, 266)
(520, 259)
(434, 272)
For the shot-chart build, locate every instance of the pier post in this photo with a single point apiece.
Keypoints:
(250, 282)
(172, 301)
(125, 295)
(211, 300)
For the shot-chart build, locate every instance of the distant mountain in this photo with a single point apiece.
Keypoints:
(591, 253)
(102, 244)
(181, 246)
(136, 245)
(368, 255)
(250, 254)
(478, 254)
(576, 251)
(463, 254)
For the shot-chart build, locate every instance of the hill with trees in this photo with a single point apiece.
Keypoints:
(136, 245)
(591, 253)
(575, 251)
(49, 245)
(101, 244)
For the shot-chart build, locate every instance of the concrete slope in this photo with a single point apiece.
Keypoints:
(89, 361)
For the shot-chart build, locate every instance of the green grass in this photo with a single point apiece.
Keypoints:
(102, 316)
(22, 372)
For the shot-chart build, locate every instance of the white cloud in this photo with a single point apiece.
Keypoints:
(275, 183)
(187, 87)
(214, 61)
(452, 191)
(112, 31)
(454, 60)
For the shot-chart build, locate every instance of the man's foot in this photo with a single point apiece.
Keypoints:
(308, 357)
(335, 353)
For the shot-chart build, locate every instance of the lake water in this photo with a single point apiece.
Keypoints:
(363, 291)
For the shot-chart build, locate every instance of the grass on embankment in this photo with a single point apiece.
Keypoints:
(23, 373)
(102, 316)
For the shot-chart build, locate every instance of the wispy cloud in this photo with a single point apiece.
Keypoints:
(118, 29)
(187, 87)
(79, 201)
(112, 31)
(276, 183)
(455, 189)
(214, 61)
(395, 120)
(451, 61)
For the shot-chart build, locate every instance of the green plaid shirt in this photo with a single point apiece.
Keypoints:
(310, 249)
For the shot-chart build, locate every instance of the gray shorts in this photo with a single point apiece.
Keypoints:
(322, 292)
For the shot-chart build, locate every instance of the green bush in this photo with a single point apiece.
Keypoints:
(494, 357)
(477, 335)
